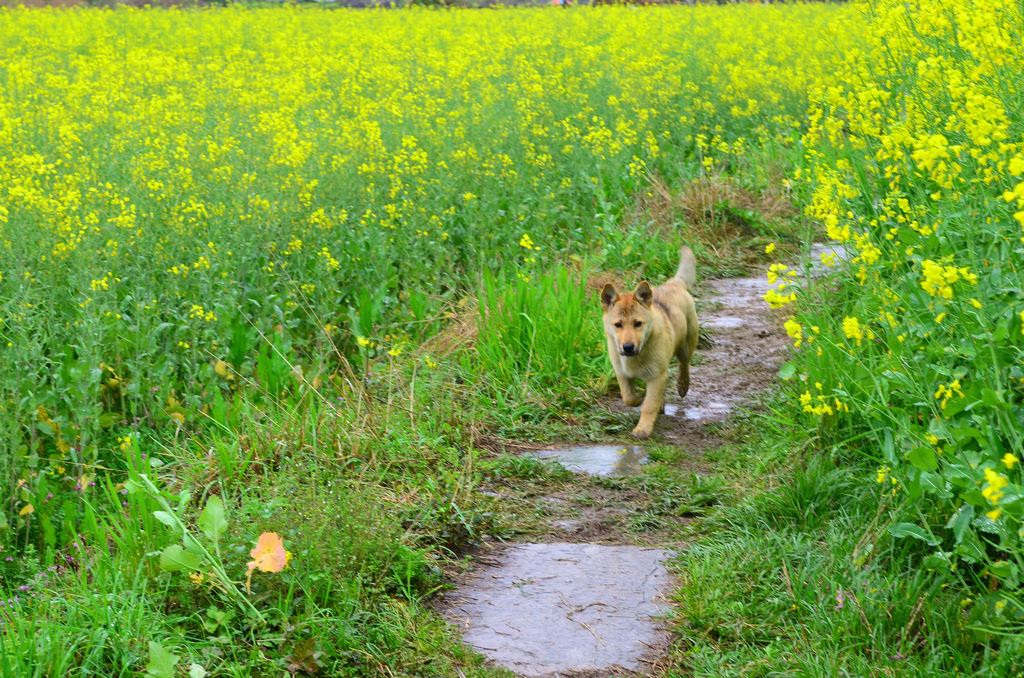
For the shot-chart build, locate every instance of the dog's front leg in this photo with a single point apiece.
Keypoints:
(627, 390)
(654, 399)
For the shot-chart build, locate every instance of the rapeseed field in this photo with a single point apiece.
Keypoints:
(264, 273)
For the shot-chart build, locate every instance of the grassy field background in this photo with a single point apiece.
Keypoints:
(302, 271)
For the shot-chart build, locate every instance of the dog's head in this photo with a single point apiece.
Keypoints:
(627, 317)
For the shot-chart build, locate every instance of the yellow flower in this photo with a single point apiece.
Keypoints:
(994, 484)
(222, 369)
(777, 300)
(938, 280)
(796, 331)
(363, 341)
(526, 242)
(853, 329)
(329, 260)
(946, 392)
(197, 312)
(1010, 460)
(769, 248)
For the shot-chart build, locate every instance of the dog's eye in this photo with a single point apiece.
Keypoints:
(618, 324)
(637, 323)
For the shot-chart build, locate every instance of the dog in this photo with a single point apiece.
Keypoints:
(645, 328)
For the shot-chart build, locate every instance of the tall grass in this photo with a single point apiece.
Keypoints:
(541, 336)
(915, 162)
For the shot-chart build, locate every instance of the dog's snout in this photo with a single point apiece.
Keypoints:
(629, 349)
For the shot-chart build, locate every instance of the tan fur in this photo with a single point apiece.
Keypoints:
(659, 322)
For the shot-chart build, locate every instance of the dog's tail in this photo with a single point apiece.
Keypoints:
(687, 271)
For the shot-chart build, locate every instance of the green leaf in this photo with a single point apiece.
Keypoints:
(108, 419)
(901, 530)
(174, 558)
(993, 398)
(191, 543)
(161, 661)
(787, 371)
(1003, 569)
(166, 518)
(938, 561)
(212, 521)
(956, 406)
(974, 497)
(961, 521)
(923, 457)
(196, 671)
(970, 548)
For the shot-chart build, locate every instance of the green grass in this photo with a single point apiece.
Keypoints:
(796, 573)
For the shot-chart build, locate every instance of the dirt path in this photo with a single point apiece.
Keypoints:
(585, 598)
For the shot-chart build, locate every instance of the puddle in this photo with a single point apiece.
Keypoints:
(552, 609)
(724, 322)
(597, 460)
(713, 411)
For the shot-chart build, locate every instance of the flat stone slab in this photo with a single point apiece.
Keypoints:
(553, 609)
(597, 460)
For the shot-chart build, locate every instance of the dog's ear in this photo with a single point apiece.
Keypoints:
(608, 295)
(644, 294)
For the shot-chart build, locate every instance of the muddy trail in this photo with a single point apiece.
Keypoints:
(587, 595)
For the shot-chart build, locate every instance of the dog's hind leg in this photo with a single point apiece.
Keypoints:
(685, 352)
(683, 381)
